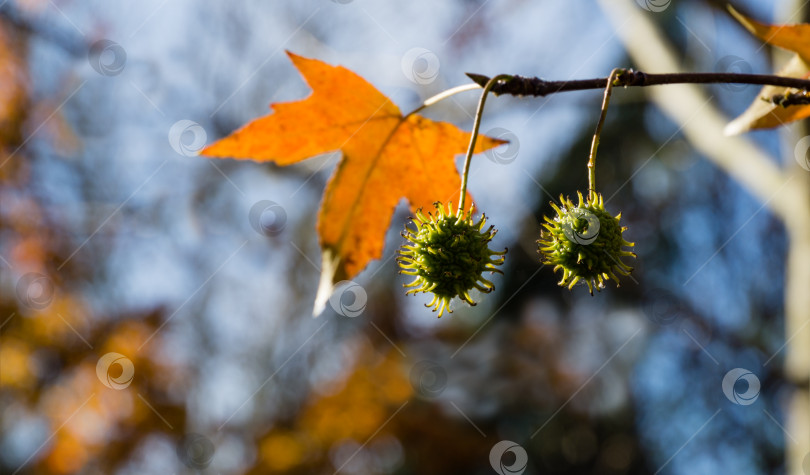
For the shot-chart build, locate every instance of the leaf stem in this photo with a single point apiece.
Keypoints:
(444, 95)
(490, 84)
(526, 86)
(595, 143)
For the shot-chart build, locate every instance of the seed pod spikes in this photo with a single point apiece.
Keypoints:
(585, 242)
(447, 254)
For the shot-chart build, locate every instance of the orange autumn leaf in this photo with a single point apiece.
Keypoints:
(761, 113)
(386, 157)
(794, 38)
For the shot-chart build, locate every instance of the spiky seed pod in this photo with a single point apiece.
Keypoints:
(585, 242)
(447, 254)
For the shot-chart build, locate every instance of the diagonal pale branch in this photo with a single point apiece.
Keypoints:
(784, 191)
(689, 106)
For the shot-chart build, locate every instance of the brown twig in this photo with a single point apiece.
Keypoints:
(526, 86)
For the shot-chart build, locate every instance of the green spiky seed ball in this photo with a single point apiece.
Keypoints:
(585, 242)
(447, 254)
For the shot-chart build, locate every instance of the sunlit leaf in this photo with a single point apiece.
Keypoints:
(761, 113)
(386, 157)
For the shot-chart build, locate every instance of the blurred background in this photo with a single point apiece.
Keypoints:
(155, 306)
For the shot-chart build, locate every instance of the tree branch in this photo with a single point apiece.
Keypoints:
(789, 99)
(526, 86)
